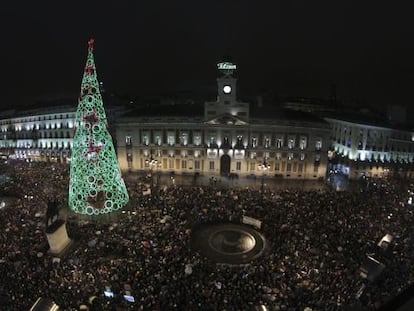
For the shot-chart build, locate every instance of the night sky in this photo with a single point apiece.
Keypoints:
(287, 48)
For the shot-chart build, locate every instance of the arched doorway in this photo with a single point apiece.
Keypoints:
(225, 165)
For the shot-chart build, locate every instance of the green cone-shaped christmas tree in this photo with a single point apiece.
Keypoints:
(96, 186)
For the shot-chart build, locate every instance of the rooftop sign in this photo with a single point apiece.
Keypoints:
(226, 66)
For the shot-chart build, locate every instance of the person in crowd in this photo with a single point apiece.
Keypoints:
(317, 241)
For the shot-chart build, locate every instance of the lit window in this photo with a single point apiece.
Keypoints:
(184, 139)
(239, 142)
(254, 142)
(171, 139)
(267, 142)
(197, 140)
(302, 144)
(212, 142)
(129, 157)
(291, 143)
(318, 144)
(158, 140)
(128, 140)
(226, 142)
(145, 140)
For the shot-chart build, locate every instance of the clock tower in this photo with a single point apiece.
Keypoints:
(226, 103)
(226, 83)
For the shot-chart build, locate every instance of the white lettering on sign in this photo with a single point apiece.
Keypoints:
(226, 66)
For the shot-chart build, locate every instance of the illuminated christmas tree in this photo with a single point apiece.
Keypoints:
(96, 186)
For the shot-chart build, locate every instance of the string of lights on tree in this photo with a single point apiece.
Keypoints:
(96, 186)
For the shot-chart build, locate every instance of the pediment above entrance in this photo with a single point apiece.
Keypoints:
(227, 119)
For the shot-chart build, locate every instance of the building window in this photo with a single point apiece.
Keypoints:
(278, 156)
(145, 140)
(158, 140)
(317, 158)
(171, 139)
(254, 142)
(318, 144)
(252, 155)
(277, 166)
(128, 140)
(288, 167)
(211, 165)
(291, 143)
(129, 156)
(197, 164)
(279, 142)
(300, 168)
(252, 166)
(226, 143)
(267, 142)
(183, 164)
(290, 156)
(197, 139)
(184, 139)
(238, 166)
(239, 142)
(213, 143)
(302, 156)
(302, 143)
(171, 163)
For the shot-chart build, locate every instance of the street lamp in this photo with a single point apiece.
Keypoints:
(151, 162)
(263, 167)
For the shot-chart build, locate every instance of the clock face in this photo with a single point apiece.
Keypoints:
(227, 89)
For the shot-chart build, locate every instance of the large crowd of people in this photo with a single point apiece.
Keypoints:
(316, 243)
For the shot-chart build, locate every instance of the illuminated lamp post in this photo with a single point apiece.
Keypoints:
(263, 167)
(151, 162)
